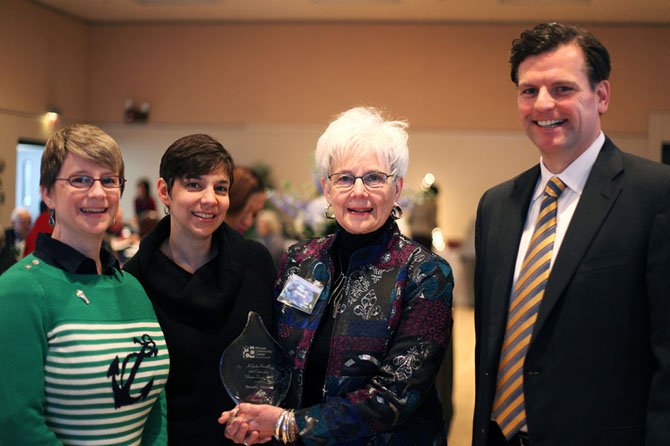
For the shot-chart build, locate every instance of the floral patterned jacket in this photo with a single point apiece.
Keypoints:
(388, 341)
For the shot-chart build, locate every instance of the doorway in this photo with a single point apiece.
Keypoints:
(28, 160)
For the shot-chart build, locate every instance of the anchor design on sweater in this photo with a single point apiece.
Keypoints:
(121, 387)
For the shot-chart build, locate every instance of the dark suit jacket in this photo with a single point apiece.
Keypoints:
(597, 371)
(7, 258)
(10, 241)
(10, 236)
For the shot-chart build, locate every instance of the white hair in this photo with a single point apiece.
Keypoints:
(17, 212)
(361, 131)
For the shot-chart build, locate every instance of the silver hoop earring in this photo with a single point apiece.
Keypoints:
(329, 213)
(396, 212)
(52, 217)
(166, 209)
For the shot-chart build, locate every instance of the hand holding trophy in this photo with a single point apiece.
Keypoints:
(254, 368)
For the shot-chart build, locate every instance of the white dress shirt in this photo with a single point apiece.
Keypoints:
(574, 176)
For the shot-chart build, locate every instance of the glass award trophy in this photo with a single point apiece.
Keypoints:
(254, 368)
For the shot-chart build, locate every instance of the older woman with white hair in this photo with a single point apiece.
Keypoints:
(368, 330)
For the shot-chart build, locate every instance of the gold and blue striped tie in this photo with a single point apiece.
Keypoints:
(508, 407)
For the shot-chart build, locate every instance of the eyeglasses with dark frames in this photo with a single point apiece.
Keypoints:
(372, 180)
(86, 182)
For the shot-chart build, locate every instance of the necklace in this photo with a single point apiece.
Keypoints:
(338, 289)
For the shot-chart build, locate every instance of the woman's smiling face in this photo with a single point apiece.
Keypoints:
(361, 210)
(82, 215)
(198, 205)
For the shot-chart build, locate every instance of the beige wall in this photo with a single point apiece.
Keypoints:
(437, 75)
(43, 56)
(268, 90)
(43, 60)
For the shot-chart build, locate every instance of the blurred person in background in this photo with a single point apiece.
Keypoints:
(247, 198)
(15, 237)
(7, 257)
(41, 225)
(147, 222)
(270, 233)
(423, 219)
(119, 238)
(143, 199)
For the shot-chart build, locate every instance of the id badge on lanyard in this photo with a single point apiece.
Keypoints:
(300, 293)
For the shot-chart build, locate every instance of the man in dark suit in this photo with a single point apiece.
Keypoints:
(572, 315)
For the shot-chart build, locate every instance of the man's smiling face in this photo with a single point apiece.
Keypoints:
(559, 109)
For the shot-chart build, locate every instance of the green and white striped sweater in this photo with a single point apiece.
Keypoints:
(83, 360)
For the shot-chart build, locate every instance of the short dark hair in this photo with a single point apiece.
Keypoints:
(547, 37)
(192, 156)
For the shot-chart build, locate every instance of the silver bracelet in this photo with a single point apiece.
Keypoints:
(286, 429)
(292, 427)
(278, 425)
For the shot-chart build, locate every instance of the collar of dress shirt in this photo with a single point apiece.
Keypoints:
(575, 175)
(63, 256)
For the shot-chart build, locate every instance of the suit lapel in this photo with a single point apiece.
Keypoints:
(511, 219)
(600, 193)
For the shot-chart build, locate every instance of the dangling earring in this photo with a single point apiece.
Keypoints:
(52, 217)
(396, 212)
(114, 221)
(166, 209)
(329, 213)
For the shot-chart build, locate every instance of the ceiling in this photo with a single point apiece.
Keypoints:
(488, 11)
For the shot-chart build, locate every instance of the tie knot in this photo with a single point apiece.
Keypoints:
(554, 187)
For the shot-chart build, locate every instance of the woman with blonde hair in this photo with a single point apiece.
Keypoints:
(85, 358)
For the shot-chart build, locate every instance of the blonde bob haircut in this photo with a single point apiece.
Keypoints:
(363, 131)
(85, 140)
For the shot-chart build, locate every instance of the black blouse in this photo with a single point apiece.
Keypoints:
(315, 372)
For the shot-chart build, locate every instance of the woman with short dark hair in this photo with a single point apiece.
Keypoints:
(203, 278)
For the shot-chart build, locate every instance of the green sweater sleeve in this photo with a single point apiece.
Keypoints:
(155, 431)
(23, 346)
